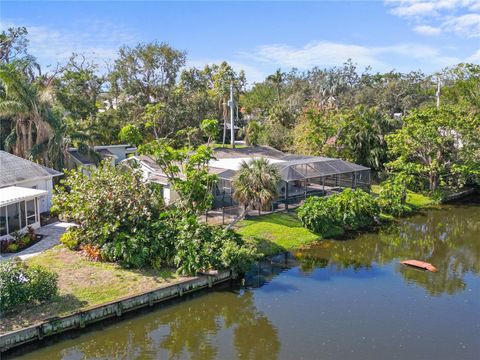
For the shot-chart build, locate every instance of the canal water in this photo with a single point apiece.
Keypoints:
(339, 299)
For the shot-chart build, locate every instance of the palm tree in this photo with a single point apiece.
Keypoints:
(27, 104)
(252, 133)
(256, 183)
(277, 80)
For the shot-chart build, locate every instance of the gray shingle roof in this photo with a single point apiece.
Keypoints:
(14, 169)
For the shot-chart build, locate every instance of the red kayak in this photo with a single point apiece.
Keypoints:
(420, 264)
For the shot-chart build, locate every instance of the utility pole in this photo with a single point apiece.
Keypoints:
(437, 94)
(231, 105)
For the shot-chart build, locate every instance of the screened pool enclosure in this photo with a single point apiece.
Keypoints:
(302, 176)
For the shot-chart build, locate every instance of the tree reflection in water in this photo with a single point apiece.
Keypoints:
(188, 329)
(448, 238)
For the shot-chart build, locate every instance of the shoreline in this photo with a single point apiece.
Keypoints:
(113, 309)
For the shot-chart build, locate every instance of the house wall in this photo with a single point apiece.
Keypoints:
(45, 202)
(119, 151)
(169, 195)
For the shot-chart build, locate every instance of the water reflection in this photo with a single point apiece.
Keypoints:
(448, 238)
(190, 329)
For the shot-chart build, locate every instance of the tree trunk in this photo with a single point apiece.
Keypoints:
(433, 181)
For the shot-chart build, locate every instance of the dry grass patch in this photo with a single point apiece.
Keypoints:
(83, 283)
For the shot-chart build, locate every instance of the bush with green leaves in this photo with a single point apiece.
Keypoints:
(393, 196)
(350, 210)
(21, 284)
(110, 201)
(201, 247)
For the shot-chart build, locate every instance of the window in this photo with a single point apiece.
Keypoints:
(31, 212)
(3, 221)
(23, 214)
(13, 218)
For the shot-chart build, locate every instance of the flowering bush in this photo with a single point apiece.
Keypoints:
(21, 284)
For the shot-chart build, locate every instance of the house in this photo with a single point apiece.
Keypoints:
(301, 175)
(25, 192)
(86, 158)
(151, 172)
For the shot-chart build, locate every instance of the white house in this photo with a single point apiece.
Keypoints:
(301, 175)
(152, 172)
(25, 192)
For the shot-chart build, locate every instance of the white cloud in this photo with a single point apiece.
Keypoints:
(316, 53)
(427, 30)
(415, 9)
(326, 54)
(97, 40)
(474, 58)
(431, 17)
(468, 25)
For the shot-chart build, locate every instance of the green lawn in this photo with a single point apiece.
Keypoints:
(82, 284)
(415, 200)
(274, 233)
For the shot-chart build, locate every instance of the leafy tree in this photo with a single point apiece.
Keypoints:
(113, 208)
(187, 173)
(436, 144)
(256, 183)
(361, 137)
(13, 45)
(393, 195)
(253, 133)
(316, 131)
(210, 129)
(130, 135)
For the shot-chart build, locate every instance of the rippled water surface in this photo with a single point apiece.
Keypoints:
(337, 300)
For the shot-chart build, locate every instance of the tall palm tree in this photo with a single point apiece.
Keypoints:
(27, 104)
(256, 183)
(277, 79)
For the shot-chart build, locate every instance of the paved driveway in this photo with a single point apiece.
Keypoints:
(52, 234)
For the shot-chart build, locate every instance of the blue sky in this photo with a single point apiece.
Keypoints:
(259, 36)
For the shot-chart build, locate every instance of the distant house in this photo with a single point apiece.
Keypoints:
(151, 172)
(301, 175)
(86, 158)
(25, 192)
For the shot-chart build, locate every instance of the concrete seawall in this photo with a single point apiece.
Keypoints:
(116, 308)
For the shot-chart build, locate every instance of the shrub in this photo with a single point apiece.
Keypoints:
(70, 239)
(23, 241)
(350, 209)
(92, 252)
(112, 201)
(393, 196)
(21, 284)
(12, 248)
(200, 247)
(151, 244)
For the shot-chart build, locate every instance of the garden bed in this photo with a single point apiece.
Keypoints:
(12, 246)
(82, 284)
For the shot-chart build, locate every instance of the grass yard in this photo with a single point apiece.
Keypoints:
(415, 200)
(274, 233)
(82, 284)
